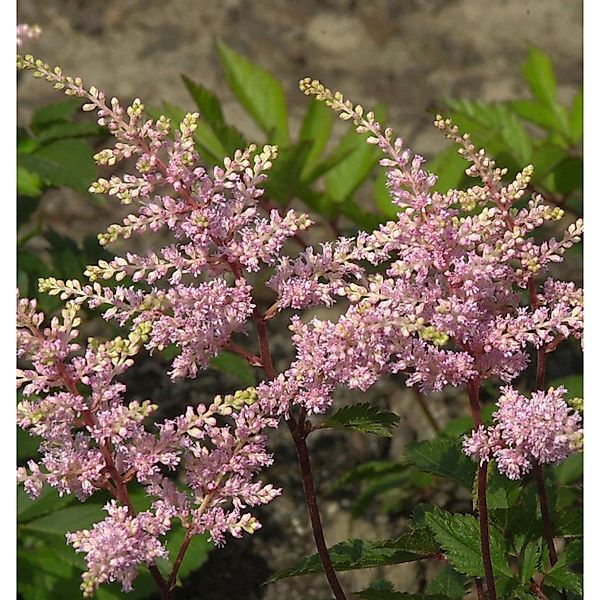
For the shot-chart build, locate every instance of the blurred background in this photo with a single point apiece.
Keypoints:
(407, 57)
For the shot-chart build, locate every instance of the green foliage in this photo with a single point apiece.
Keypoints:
(235, 365)
(371, 594)
(365, 418)
(302, 164)
(530, 560)
(458, 535)
(394, 484)
(444, 458)
(258, 92)
(52, 151)
(539, 130)
(361, 554)
(448, 582)
(48, 568)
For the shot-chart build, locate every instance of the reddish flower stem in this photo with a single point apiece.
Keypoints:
(484, 527)
(120, 488)
(299, 430)
(546, 521)
(182, 550)
(540, 384)
(480, 590)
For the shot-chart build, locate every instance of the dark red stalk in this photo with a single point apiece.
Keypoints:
(299, 430)
(179, 559)
(540, 384)
(546, 521)
(479, 588)
(484, 527)
(120, 488)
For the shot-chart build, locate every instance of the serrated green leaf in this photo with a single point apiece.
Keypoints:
(28, 183)
(539, 73)
(485, 114)
(448, 582)
(361, 554)
(214, 138)
(209, 145)
(563, 579)
(443, 457)
(365, 418)
(524, 525)
(326, 164)
(55, 112)
(499, 489)
(207, 102)
(458, 535)
(235, 365)
(576, 118)
(572, 554)
(315, 128)
(65, 162)
(529, 561)
(569, 522)
(258, 92)
(418, 518)
(535, 112)
(67, 519)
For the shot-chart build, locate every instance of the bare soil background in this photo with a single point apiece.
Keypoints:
(406, 54)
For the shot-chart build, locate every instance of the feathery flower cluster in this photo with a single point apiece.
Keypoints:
(116, 546)
(92, 439)
(450, 306)
(542, 429)
(27, 32)
(447, 307)
(215, 219)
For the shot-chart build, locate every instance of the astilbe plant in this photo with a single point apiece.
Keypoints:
(448, 294)
(92, 440)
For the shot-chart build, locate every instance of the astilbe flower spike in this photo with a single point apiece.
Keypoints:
(447, 307)
(542, 429)
(92, 439)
